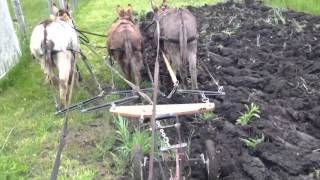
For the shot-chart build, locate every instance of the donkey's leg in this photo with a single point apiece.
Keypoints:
(72, 74)
(192, 59)
(176, 62)
(48, 71)
(64, 67)
(127, 68)
(137, 64)
(127, 72)
(117, 56)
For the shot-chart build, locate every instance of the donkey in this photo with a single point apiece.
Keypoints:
(125, 44)
(178, 39)
(54, 42)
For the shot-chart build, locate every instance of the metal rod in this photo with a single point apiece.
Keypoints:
(120, 101)
(178, 150)
(64, 132)
(143, 90)
(85, 61)
(212, 93)
(153, 117)
(82, 103)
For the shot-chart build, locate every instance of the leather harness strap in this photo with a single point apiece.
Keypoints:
(163, 13)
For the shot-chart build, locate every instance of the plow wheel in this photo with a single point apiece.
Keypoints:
(212, 165)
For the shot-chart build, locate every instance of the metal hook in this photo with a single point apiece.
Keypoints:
(221, 89)
(174, 90)
(204, 99)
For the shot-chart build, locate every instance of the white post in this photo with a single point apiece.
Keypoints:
(19, 16)
(50, 6)
(9, 44)
(74, 4)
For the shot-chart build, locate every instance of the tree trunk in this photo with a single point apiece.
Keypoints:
(19, 15)
(9, 44)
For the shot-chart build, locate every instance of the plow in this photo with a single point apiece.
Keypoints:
(158, 118)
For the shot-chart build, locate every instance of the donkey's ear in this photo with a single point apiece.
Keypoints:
(119, 9)
(130, 9)
(153, 5)
(54, 9)
(165, 3)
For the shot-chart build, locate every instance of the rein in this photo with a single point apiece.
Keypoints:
(64, 131)
(88, 32)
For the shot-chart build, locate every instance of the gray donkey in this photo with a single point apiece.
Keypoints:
(178, 39)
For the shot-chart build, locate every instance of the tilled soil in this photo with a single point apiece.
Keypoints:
(261, 57)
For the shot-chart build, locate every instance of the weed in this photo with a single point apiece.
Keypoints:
(315, 174)
(246, 117)
(124, 154)
(128, 140)
(277, 15)
(123, 134)
(252, 143)
(207, 116)
(189, 142)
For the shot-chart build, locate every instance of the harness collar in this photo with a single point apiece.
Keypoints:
(125, 20)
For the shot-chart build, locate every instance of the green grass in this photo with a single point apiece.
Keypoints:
(27, 108)
(309, 6)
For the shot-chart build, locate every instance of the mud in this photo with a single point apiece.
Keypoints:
(260, 57)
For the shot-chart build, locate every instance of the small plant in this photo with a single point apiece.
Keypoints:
(207, 116)
(252, 143)
(277, 15)
(125, 151)
(246, 117)
(123, 134)
(129, 140)
(315, 174)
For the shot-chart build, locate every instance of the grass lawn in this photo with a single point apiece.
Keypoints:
(29, 131)
(309, 6)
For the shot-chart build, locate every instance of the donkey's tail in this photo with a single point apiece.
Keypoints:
(47, 47)
(183, 41)
(128, 51)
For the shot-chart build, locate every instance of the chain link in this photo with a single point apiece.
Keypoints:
(220, 89)
(204, 99)
(163, 134)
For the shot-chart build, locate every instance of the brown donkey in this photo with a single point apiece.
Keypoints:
(125, 44)
(178, 39)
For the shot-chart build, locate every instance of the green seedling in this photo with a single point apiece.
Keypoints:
(207, 116)
(247, 117)
(129, 140)
(278, 16)
(252, 143)
(315, 174)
